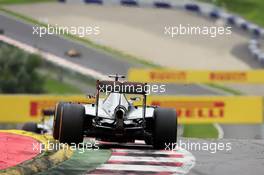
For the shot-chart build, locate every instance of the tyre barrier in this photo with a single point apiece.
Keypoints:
(201, 8)
(254, 48)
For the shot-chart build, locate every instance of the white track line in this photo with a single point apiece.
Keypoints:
(220, 130)
(55, 59)
(151, 168)
(178, 151)
(148, 159)
(187, 160)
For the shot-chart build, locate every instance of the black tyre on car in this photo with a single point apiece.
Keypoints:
(164, 127)
(71, 123)
(56, 122)
(31, 127)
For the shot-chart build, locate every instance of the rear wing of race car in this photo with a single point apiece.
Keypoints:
(124, 88)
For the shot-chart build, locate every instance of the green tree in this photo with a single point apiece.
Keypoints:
(18, 71)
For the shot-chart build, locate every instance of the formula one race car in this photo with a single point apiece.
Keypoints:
(73, 53)
(44, 127)
(114, 118)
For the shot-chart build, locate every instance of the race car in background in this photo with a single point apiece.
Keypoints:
(73, 53)
(44, 127)
(114, 118)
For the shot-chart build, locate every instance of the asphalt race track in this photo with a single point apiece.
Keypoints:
(245, 157)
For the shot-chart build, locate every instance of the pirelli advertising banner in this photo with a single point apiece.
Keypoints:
(230, 109)
(182, 76)
(24, 108)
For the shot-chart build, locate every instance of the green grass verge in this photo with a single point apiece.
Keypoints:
(5, 2)
(53, 86)
(251, 10)
(48, 76)
(56, 69)
(200, 131)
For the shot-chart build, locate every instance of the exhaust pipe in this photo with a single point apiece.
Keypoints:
(119, 115)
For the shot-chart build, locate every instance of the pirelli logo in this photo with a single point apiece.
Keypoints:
(195, 109)
(228, 76)
(176, 75)
(36, 107)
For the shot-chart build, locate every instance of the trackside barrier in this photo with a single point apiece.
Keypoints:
(229, 109)
(254, 48)
(197, 76)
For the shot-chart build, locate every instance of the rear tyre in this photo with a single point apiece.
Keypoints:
(71, 123)
(31, 127)
(165, 128)
(56, 122)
